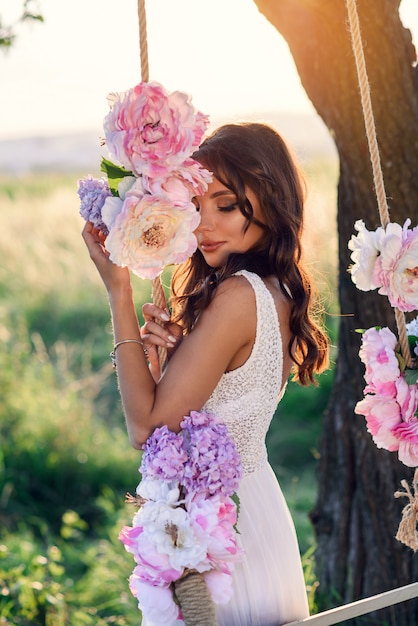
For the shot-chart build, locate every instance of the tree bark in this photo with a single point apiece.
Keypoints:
(356, 515)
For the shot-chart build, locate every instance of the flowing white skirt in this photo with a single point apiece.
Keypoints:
(269, 588)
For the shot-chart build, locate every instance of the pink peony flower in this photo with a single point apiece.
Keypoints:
(149, 131)
(407, 434)
(364, 255)
(382, 415)
(396, 268)
(150, 233)
(214, 520)
(157, 603)
(219, 585)
(377, 352)
(407, 398)
(188, 180)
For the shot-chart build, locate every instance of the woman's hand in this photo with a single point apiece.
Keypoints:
(112, 275)
(159, 331)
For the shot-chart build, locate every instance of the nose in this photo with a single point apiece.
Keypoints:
(206, 220)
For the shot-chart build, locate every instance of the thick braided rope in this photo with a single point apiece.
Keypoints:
(143, 42)
(373, 149)
(158, 295)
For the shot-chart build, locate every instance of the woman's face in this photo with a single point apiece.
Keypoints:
(221, 229)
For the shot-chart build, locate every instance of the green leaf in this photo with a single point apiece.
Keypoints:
(236, 500)
(401, 361)
(413, 342)
(114, 173)
(411, 376)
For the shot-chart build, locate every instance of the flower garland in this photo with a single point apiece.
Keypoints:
(143, 206)
(387, 259)
(187, 515)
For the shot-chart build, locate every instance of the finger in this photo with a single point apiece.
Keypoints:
(153, 334)
(152, 311)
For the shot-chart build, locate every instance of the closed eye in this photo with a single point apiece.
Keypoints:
(228, 208)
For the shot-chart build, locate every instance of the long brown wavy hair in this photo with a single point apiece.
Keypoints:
(254, 155)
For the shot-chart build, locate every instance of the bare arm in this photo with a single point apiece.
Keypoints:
(224, 330)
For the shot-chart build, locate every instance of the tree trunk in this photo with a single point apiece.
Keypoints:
(356, 515)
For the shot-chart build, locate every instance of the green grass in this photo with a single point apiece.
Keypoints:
(65, 460)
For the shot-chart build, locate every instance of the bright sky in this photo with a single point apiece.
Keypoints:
(223, 52)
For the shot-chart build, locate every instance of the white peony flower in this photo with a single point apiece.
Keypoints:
(364, 247)
(113, 204)
(159, 491)
(169, 529)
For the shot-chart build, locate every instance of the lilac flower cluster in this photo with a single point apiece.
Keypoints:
(214, 465)
(202, 457)
(164, 456)
(93, 193)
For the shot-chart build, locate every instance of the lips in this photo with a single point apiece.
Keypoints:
(210, 246)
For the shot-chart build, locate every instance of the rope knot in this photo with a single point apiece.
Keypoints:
(407, 531)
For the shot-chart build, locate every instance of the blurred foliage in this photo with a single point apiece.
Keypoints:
(8, 32)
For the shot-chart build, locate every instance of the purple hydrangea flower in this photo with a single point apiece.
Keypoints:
(93, 193)
(214, 465)
(164, 456)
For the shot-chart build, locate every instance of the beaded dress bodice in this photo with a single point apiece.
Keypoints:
(246, 398)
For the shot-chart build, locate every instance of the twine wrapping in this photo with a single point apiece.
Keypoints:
(407, 531)
(195, 600)
(369, 122)
(191, 590)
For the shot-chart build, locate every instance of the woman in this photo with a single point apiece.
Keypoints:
(241, 322)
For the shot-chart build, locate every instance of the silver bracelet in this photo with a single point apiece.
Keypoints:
(119, 343)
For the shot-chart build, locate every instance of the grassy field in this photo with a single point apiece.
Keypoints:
(65, 461)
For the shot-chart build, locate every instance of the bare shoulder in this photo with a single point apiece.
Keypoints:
(235, 298)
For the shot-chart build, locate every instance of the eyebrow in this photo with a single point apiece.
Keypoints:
(223, 192)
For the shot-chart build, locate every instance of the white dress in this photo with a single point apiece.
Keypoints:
(269, 588)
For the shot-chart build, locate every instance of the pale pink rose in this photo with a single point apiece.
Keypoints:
(156, 603)
(396, 269)
(219, 585)
(377, 352)
(408, 442)
(149, 131)
(382, 416)
(182, 184)
(150, 233)
(364, 255)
